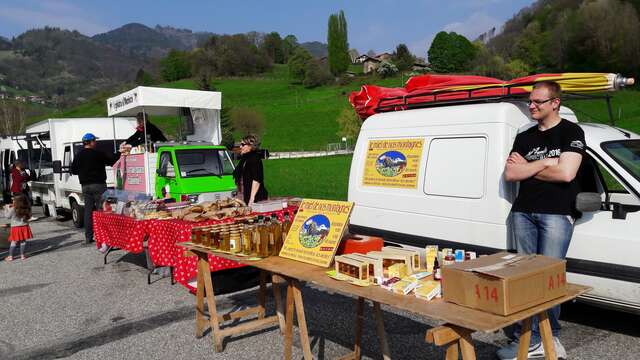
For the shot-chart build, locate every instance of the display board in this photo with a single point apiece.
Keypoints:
(393, 163)
(316, 231)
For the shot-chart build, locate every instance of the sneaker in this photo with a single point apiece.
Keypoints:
(103, 249)
(510, 352)
(560, 350)
(33, 218)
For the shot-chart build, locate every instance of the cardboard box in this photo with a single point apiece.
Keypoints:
(504, 283)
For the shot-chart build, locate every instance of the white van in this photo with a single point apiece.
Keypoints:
(61, 139)
(435, 176)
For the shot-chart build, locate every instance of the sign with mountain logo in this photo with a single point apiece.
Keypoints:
(316, 231)
(393, 163)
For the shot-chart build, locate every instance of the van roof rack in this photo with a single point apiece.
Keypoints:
(469, 98)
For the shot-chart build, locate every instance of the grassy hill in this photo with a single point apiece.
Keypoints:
(305, 119)
(296, 118)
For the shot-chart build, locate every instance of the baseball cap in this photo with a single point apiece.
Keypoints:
(89, 137)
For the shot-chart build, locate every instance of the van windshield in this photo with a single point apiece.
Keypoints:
(626, 153)
(203, 162)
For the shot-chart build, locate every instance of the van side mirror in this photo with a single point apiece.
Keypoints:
(588, 202)
(57, 167)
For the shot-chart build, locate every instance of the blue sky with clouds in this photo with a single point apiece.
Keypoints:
(373, 24)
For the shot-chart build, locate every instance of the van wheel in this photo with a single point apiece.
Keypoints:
(45, 210)
(77, 214)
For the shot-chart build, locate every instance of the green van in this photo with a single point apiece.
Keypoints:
(194, 172)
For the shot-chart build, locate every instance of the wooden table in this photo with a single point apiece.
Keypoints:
(459, 322)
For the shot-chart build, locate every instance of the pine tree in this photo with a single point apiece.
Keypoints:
(337, 40)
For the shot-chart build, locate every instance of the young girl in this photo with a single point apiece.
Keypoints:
(19, 213)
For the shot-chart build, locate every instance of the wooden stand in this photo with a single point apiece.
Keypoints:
(457, 338)
(382, 337)
(205, 290)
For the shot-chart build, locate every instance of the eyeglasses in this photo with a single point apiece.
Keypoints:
(539, 102)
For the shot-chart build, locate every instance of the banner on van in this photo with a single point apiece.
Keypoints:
(316, 231)
(393, 163)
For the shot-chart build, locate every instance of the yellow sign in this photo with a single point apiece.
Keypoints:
(393, 163)
(316, 231)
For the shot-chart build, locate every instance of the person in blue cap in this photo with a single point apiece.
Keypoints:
(89, 164)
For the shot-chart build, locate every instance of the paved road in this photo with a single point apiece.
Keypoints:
(63, 302)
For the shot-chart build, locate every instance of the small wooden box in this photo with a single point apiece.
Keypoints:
(390, 258)
(353, 268)
(375, 266)
(414, 256)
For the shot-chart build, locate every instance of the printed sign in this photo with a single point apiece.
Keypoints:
(130, 174)
(393, 163)
(316, 231)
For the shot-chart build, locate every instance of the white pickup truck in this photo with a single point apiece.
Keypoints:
(435, 176)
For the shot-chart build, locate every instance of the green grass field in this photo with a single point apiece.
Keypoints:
(305, 119)
(319, 178)
(296, 118)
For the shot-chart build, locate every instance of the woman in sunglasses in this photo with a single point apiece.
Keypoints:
(249, 175)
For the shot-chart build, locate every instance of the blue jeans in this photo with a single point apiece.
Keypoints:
(545, 234)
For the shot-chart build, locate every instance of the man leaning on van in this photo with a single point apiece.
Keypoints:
(545, 160)
(89, 164)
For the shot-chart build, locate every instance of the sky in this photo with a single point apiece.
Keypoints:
(377, 25)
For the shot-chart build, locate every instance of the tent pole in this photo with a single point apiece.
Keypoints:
(146, 152)
(113, 122)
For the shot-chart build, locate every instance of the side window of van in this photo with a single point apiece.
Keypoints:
(456, 167)
(166, 165)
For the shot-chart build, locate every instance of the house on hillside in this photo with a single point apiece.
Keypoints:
(370, 64)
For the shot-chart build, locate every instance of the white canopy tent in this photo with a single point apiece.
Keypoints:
(203, 106)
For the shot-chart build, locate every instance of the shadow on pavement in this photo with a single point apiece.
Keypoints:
(600, 318)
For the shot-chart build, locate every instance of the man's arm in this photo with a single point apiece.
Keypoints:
(518, 168)
(565, 171)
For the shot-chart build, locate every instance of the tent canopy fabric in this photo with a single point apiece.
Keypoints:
(161, 101)
(431, 88)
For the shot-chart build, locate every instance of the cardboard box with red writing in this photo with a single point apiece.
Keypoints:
(504, 283)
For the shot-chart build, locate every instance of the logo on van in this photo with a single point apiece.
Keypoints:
(314, 230)
(391, 163)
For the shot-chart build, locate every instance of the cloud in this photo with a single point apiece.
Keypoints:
(476, 24)
(52, 13)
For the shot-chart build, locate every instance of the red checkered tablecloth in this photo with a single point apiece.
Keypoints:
(119, 231)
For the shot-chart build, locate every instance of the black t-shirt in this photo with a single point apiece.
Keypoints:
(250, 169)
(537, 196)
(89, 165)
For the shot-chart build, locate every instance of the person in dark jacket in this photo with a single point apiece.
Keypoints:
(249, 175)
(153, 133)
(89, 164)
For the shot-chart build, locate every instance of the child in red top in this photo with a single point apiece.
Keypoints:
(19, 213)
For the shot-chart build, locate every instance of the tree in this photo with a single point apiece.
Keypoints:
(175, 66)
(316, 74)
(298, 64)
(338, 45)
(403, 58)
(226, 125)
(386, 69)
(272, 46)
(12, 117)
(289, 45)
(143, 78)
(231, 55)
(371, 53)
(353, 55)
(247, 121)
(450, 52)
(349, 124)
